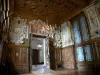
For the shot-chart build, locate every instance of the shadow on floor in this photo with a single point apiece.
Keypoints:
(7, 69)
(75, 72)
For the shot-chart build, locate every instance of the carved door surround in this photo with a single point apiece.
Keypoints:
(46, 50)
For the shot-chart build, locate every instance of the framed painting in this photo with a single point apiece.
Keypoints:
(66, 34)
(93, 21)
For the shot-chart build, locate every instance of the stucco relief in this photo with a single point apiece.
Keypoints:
(57, 38)
(41, 28)
(94, 21)
(18, 30)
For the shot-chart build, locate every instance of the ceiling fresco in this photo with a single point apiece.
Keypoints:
(42, 8)
(46, 7)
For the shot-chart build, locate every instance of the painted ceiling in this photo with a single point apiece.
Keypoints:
(47, 8)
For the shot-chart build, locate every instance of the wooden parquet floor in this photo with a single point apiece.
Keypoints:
(61, 72)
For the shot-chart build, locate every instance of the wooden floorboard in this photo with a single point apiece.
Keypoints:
(61, 72)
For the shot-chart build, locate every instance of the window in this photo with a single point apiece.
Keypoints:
(81, 36)
(76, 32)
(80, 54)
(88, 53)
(84, 28)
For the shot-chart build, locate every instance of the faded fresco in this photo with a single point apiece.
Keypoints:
(94, 21)
(18, 30)
(66, 34)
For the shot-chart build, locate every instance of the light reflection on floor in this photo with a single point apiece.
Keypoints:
(47, 71)
(36, 67)
(44, 71)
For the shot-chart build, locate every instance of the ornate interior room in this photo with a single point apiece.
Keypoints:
(49, 37)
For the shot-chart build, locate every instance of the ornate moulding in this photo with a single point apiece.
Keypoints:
(93, 20)
(57, 38)
(18, 30)
(41, 28)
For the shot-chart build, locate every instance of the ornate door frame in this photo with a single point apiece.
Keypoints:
(46, 51)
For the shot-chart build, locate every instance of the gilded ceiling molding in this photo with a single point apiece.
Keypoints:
(18, 30)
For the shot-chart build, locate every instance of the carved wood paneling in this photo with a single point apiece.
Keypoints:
(96, 54)
(19, 58)
(24, 56)
(52, 56)
(68, 58)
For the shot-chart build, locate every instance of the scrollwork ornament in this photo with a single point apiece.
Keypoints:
(18, 30)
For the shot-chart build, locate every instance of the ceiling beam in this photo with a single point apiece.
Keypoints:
(80, 2)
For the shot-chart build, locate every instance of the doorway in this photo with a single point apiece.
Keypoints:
(39, 52)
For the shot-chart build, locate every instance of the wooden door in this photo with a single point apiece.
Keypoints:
(52, 55)
(35, 56)
(18, 56)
